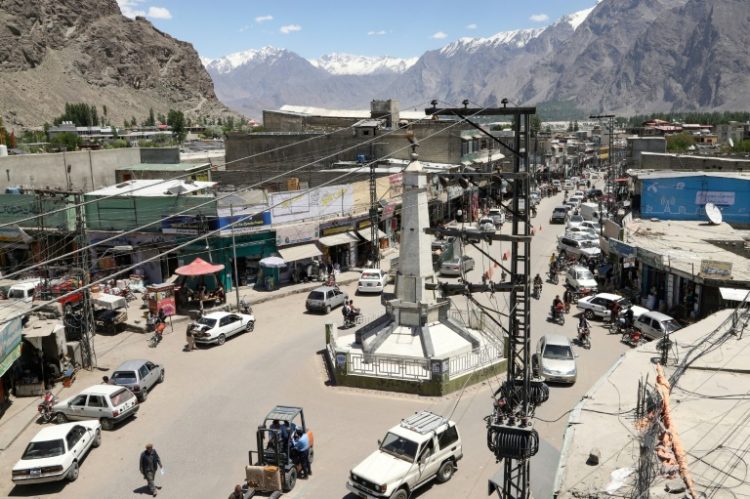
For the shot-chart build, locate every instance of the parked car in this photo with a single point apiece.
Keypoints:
(592, 227)
(568, 185)
(110, 404)
(558, 215)
(497, 215)
(654, 325)
(576, 200)
(599, 305)
(573, 220)
(556, 183)
(325, 298)
(486, 224)
(581, 233)
(579, 194)
(140, 376)
(23, 291)
(594, 193)
(110, 312)
(457, 266)
(557, 362)
(216, 327)
(372, 281)
(421, 448)
(56, 452)
(581, 279)
(578, 247)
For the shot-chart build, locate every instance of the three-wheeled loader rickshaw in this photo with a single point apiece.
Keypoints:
(274, 466)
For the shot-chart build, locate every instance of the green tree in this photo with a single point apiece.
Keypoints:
(176, 120)
(133, 122)
(679, 142)
(67, 140)
(535, 124)
(125, 123)
(161, 118)
(151, 121)
(742, 147)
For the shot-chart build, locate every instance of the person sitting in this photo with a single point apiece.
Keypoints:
(537, 280)
(346, 311)
(353, 311)
(557, 307)
(583, 323)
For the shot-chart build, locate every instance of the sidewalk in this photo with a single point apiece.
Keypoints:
(22, 411)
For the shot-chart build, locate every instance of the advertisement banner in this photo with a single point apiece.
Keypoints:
(713, 269)
(651, 259)
(722, 198)
(10, 334)
(317, 203)
(188, 225)
(257, 219)
(296, 233)
(621, 248)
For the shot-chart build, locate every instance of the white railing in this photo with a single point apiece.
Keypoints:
(471, 361)
(389, 367)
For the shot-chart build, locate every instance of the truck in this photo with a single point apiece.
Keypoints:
(421, 448)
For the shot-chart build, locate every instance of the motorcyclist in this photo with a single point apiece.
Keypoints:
(583, 323)
(628, 317)
(557, 307)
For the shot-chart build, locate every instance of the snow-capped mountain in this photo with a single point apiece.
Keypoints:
(623, 56)
(229, 63)
(349, 64)
(516, 38)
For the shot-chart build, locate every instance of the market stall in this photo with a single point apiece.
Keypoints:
(198, 285)
(42, 357)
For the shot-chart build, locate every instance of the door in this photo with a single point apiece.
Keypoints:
(76, 408)
(96, 407)
(145, 378)
(428, 461)
(234, 324)
(153, 374)
(73, 441)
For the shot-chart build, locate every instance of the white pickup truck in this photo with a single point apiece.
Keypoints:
(422, 447)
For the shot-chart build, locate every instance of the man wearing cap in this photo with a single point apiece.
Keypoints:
(149, 463)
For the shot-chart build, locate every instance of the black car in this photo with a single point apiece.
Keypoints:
(558, 215)
(594, 194)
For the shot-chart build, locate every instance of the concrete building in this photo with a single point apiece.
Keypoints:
(682, 162)
(150, 171)
(621, 438)
(636, 146)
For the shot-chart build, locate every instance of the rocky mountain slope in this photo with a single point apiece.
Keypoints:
(57, 51)
(622, 56)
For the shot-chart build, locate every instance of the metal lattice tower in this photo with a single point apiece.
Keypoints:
(510, 435)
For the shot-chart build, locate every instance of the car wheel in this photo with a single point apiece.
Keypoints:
(250, 326)
(328, 309)
(589, 314)
(97, 439)
(290, 480)
(73, 472)
(445, 472)
(61, 418)
(222, 339)
(143, 396)
(400, 494)
(161, 376)
(107, 424)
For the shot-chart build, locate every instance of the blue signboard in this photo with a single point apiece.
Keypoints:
(685, 198)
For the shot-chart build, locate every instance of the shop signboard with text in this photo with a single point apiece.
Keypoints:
(296, 233)
(712, 269)
(292, 206)
(247, 219)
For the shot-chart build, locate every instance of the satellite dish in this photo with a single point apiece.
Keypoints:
(713, 213)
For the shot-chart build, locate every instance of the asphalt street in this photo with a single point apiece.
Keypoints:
(202, 419)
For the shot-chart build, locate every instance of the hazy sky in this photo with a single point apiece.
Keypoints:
(313, 28)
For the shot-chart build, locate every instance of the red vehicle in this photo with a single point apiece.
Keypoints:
(60, 288)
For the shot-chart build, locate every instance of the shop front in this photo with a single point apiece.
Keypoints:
(339, 244)
(10, 344)
(364, 231)
(626, 266)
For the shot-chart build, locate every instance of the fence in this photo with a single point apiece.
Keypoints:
(471, 361)
(389, 367)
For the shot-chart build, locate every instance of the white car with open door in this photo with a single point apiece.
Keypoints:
(422, 447)
(216, 327)
(55, 453)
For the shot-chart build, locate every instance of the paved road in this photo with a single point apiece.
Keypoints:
(202, 419)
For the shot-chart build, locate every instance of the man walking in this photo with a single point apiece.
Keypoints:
(190, 338)
(149, 463)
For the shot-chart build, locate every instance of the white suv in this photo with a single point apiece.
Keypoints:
(422, 447)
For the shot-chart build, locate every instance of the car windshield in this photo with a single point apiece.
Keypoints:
(560, 210)
(400, 447)
(315, 295)
(41, 450)
(205, 321)
(585, 274)
(121, 397)
(576, 218)
(587, 243)
(124, 377)
(671, 325)
(557, 352)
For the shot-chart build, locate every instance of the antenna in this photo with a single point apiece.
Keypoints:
(713, 213)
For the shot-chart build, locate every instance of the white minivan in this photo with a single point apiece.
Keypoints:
(24, 290)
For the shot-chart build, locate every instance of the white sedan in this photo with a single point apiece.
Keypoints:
(216, 327)
(55, 452)
(372, 281)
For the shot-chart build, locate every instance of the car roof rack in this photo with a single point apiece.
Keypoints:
(423, 422)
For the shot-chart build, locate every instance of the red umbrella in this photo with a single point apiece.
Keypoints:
(198, 267)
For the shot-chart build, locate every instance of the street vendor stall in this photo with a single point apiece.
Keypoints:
(110, 312)
(198, 285)
(161, 298)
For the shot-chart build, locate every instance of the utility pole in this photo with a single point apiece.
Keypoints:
(610, 169)
(88, 355)
(510, 434)
(374, 239)
(234, 258)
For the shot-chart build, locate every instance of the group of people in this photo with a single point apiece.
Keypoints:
(297, 442)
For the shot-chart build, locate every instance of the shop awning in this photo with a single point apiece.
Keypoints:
(365, 234)
(734, 294)
(10, 359)
(300, 252)
(337, 239)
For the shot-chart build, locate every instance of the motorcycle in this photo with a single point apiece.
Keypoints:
(584, 337)
(158, 335)
(537, 291)
(553, 277)
(632, 338)
(45, 407)
(352, 319)
(557, 316)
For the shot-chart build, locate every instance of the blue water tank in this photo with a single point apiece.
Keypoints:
(361, 158)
